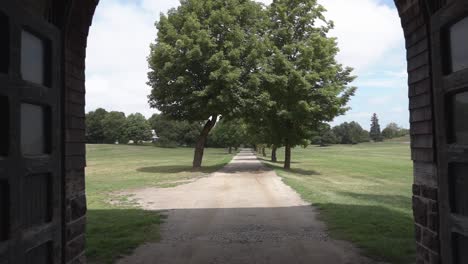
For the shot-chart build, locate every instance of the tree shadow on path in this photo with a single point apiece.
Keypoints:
(179, 169)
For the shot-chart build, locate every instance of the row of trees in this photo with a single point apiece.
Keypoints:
(353, 133)
(110, 127)
(273, 67)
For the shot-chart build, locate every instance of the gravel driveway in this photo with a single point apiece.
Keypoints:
(242, 214)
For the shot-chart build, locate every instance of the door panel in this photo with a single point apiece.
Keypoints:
(450, 72)
(30, 138)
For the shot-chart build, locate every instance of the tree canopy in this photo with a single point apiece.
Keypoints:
(204, 61)
(304, 85)
(173, 133)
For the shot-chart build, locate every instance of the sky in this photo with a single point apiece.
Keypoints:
(369, 35)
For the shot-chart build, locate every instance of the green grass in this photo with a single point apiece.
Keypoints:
(363, 193)
(117, 229)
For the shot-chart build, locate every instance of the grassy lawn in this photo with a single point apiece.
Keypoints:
(363, 193)
(115, 230)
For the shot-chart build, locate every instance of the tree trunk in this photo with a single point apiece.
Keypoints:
(230, 150)
(200, 146)
(287, 157)
(263, 152)
(273, 154)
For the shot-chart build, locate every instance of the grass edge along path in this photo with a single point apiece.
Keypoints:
(115, 229)
(362, 193)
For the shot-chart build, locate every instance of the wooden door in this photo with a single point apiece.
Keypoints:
(450, 64)
(30, 138)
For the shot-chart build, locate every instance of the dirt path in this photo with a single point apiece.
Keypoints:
(243, 214)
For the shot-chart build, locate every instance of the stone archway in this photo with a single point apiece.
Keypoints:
(415, 22)
(422, 22)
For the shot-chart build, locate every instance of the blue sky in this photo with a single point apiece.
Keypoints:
(368, 31)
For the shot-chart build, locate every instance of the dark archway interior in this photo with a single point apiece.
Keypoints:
(436, 86)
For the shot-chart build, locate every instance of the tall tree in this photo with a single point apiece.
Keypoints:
(306, 86)
(229, 134)
(138, 128)
(204, 61)
(114, 126)
(94, 128)
(350, 133)
(375, 133)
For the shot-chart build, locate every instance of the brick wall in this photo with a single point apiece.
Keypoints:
(414, 19)
(75, 39)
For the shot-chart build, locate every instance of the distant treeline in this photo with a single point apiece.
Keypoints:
(353, 133)
(111, 127)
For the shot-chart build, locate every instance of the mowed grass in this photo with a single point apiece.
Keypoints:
(115, 226)
(363, 193)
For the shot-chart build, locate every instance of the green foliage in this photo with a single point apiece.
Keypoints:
(392, 130)
(303, 84)
(138, 129)
(375, 133)
(228, 133)
(205, 61)
(324, 136)
(351, 133)
(204, 58)
(173, 133)
(114, 125)
(94, 127)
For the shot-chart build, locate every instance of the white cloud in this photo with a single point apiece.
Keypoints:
(116, 58)
(368, 35)
(366, 30)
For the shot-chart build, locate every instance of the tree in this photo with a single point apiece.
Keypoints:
(329, 138)
(203, 63)
(173, 133)
(94, 128)
(392, 130)
(138, 129)
(375, 133)
(229, 134)
(324, 136)
(305, 85)
(114, 126)
(350, 133)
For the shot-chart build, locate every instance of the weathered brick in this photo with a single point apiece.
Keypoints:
(78, 207)
(421, 114)
(419, 74)
(422, 154)
(76, 228)
(418, 61)
(430, 240)
(75, 248)
(421, 127)
(416, 190)
(419, 211)
(75, 182)
(429, 193)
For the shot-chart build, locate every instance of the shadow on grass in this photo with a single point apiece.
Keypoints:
(116, 232)
(400, 201)
(382, 233)
(179, 169)
(278, 166)
(277, 162)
